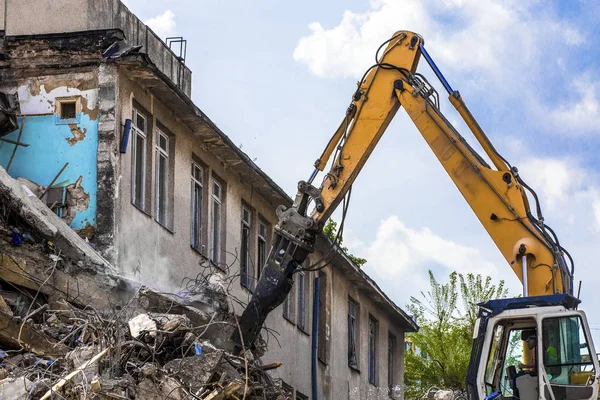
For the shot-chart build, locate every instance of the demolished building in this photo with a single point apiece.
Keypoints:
(109, 139)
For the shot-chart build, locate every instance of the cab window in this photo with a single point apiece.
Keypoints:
(567, 358)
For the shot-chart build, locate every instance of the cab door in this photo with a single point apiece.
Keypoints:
(569, 365)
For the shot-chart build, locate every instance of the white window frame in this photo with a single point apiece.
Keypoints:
(162, 216)
(216, 238)
(262, 239)
(141, 203)
(197, 206)
(302, 295)
(246, 254)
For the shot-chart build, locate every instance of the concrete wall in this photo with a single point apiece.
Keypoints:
(58, 16)
(54, 141)
(163, 257)
(146, 249)
(336, 380)
(2, 6)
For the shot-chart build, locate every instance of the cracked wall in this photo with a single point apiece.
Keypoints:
(57, 136)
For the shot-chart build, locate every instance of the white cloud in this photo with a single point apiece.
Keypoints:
(163, 25)
(581, 115)
(569, 193)
(555, 180)
(400, 256)
(480, 36)
(482, 44)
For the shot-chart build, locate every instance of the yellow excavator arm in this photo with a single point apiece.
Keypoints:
(496, 195)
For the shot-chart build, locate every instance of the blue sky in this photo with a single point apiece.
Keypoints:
(271, 73)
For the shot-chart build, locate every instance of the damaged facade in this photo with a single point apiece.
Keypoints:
(150, 182)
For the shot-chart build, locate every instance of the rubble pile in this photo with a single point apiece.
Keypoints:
(70, 328)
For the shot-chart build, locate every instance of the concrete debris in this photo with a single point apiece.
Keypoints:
(142, 324)
(15, 388)
(72, 329)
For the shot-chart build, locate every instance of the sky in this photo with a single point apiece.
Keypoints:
(277, 77)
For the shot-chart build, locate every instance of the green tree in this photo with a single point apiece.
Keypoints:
(443, 344)
(330, 229)
(475, 289)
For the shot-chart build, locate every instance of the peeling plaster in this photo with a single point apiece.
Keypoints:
(78, 134)
(37, 98)
(76, 200)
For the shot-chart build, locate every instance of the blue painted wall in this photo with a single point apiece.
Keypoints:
(49, 150)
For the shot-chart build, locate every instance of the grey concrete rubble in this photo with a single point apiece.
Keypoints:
(72, 328)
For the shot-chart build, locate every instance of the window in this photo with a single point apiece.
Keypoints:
(372, 350)
(352, 333)
(567, 358)
(300, 396)
(288, 305)
(217, 198)
(197, 206)
(261, 247)
(391, 359)
(162, 178)
(323, 339)
(138, 155)
(302, 278)
(68, 110)
(245, 251)
(494, 357)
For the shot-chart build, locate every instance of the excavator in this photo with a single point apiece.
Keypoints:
(544, 328)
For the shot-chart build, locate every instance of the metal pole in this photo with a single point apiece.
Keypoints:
(525, 284)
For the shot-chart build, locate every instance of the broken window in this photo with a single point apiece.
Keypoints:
(352, 333)
(391, 359)
(197, 206)
(261, 247)
(217, 198)
(138, 156)
(245, 250)
(372, 350)
(301, 277)
(162, 177)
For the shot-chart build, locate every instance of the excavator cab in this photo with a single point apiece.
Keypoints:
(564, 365)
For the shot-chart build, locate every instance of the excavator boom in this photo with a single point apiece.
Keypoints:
(496, 194)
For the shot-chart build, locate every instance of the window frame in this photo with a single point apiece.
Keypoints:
(392, 349)
(162, 216)
(246, 247)
(262, 245)
(289, 304)
(197, 207)
(324, 319)
(302, 297)
(141, 202)
(353, 329)
(216, 251)
(541, 355)
(372, 349)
